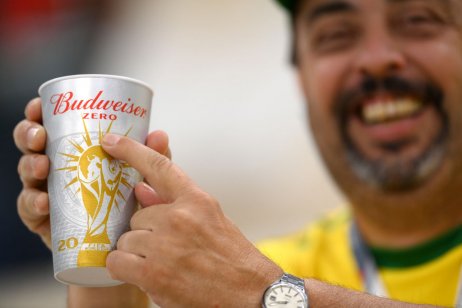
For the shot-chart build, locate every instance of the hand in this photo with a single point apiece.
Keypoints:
(30, 138)
(182, 250)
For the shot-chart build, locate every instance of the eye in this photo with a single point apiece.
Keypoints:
(337, 34)
(419, 23)
(333, 38)
(421, 18)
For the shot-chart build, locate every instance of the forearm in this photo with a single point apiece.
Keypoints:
(324, 295)
(120, 296)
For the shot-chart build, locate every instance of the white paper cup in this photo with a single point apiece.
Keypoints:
(91, 194)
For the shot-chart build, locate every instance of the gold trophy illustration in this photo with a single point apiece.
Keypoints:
(98, 177)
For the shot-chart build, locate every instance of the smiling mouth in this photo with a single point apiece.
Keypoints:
(384, 111)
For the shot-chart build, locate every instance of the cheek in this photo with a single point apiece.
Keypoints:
(322, 81)
(442, 62)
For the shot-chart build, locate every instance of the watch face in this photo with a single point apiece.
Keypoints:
(286, 296)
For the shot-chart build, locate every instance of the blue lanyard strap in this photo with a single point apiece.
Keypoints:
(373, 284)
(366, 264)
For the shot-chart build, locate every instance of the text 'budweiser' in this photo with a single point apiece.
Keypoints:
(65, 102)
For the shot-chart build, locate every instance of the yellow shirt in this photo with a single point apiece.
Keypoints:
(425, 274)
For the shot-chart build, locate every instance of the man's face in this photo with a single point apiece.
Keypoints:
(383, 81)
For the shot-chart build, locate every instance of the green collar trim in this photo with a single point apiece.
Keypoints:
(419, 254)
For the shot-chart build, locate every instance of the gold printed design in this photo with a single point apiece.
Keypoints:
(98, 176)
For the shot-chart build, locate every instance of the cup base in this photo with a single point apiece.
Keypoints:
(87, 277)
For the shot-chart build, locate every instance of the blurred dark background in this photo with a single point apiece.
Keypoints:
(39, 40)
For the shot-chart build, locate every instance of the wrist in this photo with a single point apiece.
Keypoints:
(271, 274)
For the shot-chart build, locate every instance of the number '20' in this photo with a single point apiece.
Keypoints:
(69, 243)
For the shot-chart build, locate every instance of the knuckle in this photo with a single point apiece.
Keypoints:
(32, 168)
(203, 199)
(134, 221)
(208, 200)
(21, 165)
(36, 228)
(182, 219)
(19, 135)
(21, 203)
(111, 264)
(121, 242)
(158, 162)
(157, 276)
(32, 221)
(25, 202)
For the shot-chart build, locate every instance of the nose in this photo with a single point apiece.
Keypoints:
(378, 54)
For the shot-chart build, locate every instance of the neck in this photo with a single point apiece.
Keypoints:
(396, 235)
(404, 221)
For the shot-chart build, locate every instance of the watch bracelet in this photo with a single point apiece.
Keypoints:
(293, 280)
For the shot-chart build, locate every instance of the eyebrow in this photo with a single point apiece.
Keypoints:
(445, 3)
(329, 9)
(403, 1)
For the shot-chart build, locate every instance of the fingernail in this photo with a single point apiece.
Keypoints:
(147, 187)
(33, 165)
(31, 134)
(37, 163)
(110, 139)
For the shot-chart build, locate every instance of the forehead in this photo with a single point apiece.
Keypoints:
(364, 4)
(312, 10)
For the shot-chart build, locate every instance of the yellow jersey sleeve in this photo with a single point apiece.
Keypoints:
(322, 251)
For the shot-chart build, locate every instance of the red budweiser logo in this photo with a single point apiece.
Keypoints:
(65, 102)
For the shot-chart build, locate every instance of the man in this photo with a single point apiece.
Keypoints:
(383, 81)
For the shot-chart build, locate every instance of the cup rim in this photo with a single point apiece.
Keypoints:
(47, 83)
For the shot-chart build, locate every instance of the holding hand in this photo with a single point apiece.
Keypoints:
(183, 251)
(30, 138)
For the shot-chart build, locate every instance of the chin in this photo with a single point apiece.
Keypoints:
(398, 175)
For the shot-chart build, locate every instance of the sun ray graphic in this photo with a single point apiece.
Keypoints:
(96, 178)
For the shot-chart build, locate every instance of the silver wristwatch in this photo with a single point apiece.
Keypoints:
(287, 292)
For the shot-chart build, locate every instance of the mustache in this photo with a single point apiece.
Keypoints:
(350, 100)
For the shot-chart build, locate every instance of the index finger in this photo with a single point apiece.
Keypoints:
(169, 181)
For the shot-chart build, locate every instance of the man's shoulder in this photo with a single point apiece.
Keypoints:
(294, 251)
(332, 222)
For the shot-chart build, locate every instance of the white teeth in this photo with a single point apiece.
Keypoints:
(390, 110)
